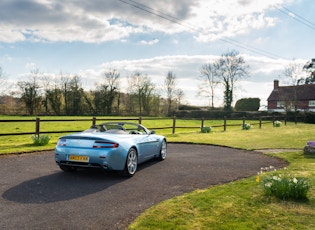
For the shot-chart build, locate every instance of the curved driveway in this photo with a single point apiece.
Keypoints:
(35, 194)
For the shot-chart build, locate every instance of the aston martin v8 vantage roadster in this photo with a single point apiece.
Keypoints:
(117, 146)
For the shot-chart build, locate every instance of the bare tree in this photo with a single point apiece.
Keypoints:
(65, 88)
(170, 86)
(231, 68)
(179, 95)
(106, 92)
(53, 95)
(30, 92)
(142, 90)
(129, 100)
(112, 80)
(73, 94)
(209, 81)
(293, 74)
(148, 96)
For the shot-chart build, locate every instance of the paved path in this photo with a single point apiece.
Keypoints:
(36, 194)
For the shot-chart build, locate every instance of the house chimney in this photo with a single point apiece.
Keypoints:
(275, 84)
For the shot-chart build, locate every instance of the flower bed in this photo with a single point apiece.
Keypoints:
(283, 186)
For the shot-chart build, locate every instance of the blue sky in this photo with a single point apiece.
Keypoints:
(89, 37)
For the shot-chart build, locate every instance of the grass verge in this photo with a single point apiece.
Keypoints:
(236, 205)
(241, 204)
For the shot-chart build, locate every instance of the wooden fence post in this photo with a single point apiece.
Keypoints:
(174, 124)
(202, 123)
(94, 121)
(243, 122)
(37, 129)
(140, 120)
(224, 129)
(260, 122)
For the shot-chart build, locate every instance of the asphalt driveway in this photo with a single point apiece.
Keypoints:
(36, 194)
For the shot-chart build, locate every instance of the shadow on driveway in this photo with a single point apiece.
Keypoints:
(62, 186)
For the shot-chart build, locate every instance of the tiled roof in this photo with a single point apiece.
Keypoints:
(283, 93)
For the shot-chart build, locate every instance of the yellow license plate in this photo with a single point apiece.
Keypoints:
(79, 158)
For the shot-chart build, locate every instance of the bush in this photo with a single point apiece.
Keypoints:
(246, 126)
(247, 104)
(40, 140)
(310, 118)
(277, 124)
(206, 129)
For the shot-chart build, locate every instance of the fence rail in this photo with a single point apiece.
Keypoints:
(94, 120)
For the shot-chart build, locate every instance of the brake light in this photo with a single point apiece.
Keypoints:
(104, 145)
(61, 142)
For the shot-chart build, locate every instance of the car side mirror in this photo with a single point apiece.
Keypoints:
(152, 132)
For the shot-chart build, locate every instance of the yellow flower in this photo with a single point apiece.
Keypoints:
(258, 179)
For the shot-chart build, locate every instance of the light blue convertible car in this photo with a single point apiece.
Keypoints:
(110, 146)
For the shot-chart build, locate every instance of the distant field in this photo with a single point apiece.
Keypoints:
(151, 123)
(289, 136)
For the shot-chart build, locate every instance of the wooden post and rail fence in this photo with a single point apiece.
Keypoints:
(37, 122)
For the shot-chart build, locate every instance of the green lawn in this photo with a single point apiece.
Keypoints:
(236, 205)
(289, 136)
(241, 204)
(23, 143)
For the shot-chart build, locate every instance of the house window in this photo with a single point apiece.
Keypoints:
(311, 103)
(280, 104)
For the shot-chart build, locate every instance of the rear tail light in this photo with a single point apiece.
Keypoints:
(61, 142)
(104, 145)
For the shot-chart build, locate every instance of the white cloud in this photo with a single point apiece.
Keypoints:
(151, 42)
(10, 35)
(100, 21)
(220, 19)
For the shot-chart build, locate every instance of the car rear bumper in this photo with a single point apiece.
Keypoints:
(104, 159)
(82, 165)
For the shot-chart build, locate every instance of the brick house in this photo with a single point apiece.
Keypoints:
(286, 98)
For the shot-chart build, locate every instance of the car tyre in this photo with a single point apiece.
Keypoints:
(131, 163)
(66, 168)
(163, 151)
